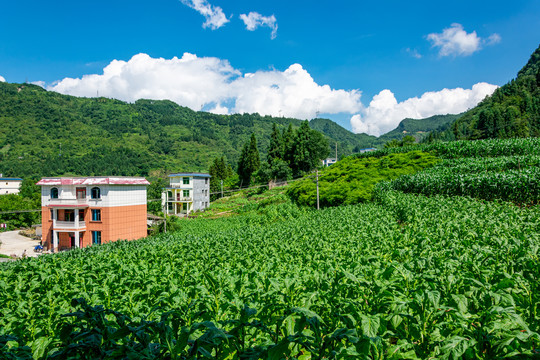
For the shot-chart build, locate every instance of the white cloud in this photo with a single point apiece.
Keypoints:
(38, 83)
(454, 41)
(2, 79)
(384, 112)
(215, 18)
(414, 53)
(253, 20)
(213, 83)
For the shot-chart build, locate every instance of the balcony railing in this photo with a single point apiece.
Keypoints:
(66, 202)
(68, 225)
(180, 185)
(181, 198)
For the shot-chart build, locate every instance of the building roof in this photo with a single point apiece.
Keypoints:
(94, 180)
(12, 179)
(191, 174)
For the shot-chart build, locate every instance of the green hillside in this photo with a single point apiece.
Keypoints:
(512, 111)
(419, 128)
(46, 134)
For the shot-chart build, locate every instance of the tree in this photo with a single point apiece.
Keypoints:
(275, 149)
(249, 161)
(308, 148)
(219, 171)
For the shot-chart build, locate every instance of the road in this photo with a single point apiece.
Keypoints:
(15, 244)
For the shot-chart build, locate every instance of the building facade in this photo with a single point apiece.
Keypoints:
(329, 161)
(187, 192)
(9, 185)
(79, 212)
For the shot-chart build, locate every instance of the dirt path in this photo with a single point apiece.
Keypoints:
(15, 244)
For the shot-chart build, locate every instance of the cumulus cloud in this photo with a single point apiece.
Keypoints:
(384, 112)
(455, 41)
(215, 18)
(253, 20)
(2, 79)
(213, 83)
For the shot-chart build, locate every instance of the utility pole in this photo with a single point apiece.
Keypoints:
(165, 223)
(336, 151)
(317, 172)
(221, 187)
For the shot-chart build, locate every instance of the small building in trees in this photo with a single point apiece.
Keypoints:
(329, 161)
(187, 192)
(83, 211)
(9, 185)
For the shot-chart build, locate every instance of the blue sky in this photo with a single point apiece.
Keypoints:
(364, 64)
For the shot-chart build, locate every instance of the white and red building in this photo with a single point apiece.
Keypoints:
(81, 211)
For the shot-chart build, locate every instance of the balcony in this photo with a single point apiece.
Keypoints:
(181, 186)
(69, 225)
(68, 202)
(180, 199)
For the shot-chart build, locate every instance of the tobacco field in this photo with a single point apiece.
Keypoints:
(403, 277)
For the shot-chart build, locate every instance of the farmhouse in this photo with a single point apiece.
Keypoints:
(9, 185)
(187, 192)
(81, 211)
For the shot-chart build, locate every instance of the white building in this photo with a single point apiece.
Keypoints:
(187, 192)
(329, 161)
(9, 185)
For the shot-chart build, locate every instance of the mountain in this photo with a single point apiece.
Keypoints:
(419, 128)
(49, 134)
(350, 142)
(513, 110)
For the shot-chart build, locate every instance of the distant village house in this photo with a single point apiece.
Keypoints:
(187, 192)
(82, 211)
(9, 185)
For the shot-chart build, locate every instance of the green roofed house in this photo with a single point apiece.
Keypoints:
(187, 192)
(9, 185)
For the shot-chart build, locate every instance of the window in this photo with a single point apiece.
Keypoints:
(185, 181)
(95, 193)
(186, 193)
(52, 214)
(185, 206)
(69, 215)
(81, 214)
(81, 193)
(96, 214)
(206, 181)
(170, 206)
(54, 193)
(170, 195)
(96, 237)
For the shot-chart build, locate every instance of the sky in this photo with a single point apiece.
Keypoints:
(364, 64)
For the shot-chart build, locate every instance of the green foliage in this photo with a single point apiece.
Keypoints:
(219, 171)
(467, 148)
(21, 205)
(513, 110)
(351, 180)
(307, 149)
(249, 162)
(407, 277)
(48, 134)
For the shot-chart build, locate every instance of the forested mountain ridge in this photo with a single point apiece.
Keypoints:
(513, 110)
(419, 128)
(49, 134)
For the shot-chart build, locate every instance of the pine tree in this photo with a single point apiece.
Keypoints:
(249, 161)
(275, 149)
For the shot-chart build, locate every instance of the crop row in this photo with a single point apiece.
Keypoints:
(520, 186)
(467, 148)
(488, 164)
(406, 277)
